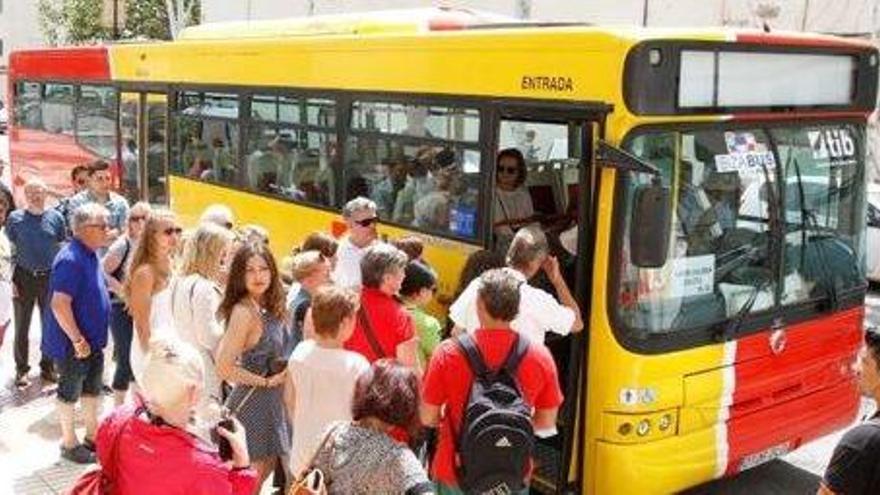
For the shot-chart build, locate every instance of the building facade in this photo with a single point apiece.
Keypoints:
(19, 28)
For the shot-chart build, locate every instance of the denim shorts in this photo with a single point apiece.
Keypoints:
(78, 377)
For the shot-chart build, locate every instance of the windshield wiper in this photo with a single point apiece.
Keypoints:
(808, 221)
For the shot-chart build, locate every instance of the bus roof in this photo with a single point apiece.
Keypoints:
(428, 20)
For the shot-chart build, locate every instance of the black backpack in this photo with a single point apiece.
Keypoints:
(496, 439)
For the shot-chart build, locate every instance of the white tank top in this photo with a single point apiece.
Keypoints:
(161, 325)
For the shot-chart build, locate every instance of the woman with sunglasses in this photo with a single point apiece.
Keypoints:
(513, 206)
(115, 264)
(146, 287)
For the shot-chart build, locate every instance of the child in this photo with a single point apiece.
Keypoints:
(417, 290)
(322, 373)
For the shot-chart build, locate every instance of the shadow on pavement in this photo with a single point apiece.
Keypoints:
(774, 478)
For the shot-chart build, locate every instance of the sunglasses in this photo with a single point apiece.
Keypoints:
(173, 231)
(508, 170)
(367, 221)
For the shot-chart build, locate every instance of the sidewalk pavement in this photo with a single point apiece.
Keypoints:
(29, 431)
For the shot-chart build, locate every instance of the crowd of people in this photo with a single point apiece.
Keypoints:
(328, 361)
(231, 368)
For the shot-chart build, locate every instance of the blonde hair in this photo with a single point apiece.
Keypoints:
(203, 250)
(146, 252)
(140, 206)
(171, 367)
(305, 264)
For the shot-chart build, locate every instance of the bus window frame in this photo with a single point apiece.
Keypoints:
(664, 100)
(646, 343)
(491, 109)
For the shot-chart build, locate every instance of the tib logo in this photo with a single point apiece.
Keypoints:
(832, 143)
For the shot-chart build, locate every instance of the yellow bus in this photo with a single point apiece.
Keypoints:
(712, 182)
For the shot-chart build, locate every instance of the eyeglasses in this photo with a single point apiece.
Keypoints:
(367, 221)
(508, 170)
(173, 231)
(137, 218)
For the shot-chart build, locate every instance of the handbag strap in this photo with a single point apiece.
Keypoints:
(311, 464)
(368, 332)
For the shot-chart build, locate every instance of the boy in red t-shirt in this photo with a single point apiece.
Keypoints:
(449, 377)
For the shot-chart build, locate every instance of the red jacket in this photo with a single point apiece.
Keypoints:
(163, 459)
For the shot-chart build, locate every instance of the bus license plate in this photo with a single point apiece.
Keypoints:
(759, 458)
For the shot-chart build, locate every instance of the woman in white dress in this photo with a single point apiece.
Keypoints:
(147, 287)
(196, 294)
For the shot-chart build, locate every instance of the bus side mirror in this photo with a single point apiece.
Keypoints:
(649, 234)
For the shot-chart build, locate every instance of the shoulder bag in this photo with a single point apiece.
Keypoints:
(313, 481)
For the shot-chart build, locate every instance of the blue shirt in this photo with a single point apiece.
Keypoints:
(36, 238)
(77, 273)
(116, 205)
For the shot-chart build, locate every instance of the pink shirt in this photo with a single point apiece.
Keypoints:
(163, 459)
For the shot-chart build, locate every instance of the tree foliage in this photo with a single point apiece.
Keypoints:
(77, 22)
(72, 21)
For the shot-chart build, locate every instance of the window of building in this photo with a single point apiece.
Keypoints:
(291, 145)
(420, 164)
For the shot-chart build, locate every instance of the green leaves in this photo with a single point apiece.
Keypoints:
(83, 22)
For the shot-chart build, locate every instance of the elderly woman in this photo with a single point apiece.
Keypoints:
(384, 328)
(147, 448)
(362, 456)
(115, 264)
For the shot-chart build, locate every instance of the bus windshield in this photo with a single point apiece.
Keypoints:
(762, 218)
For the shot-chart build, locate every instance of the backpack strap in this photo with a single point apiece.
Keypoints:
(468, 346)
(518, 350)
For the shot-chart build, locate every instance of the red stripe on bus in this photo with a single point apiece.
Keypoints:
(801, 391)
(90, 64)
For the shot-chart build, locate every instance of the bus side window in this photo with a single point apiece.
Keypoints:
(417, 163)
(207, 137)
(285, 158)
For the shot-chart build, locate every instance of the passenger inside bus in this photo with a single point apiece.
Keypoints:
(512, 206)
(419, 183)
(386, 191)
(433, 210)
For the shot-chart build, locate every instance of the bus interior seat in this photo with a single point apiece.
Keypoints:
(543, 199)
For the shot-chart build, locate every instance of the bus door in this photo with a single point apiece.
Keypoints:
(142, 132)
(554, 194)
